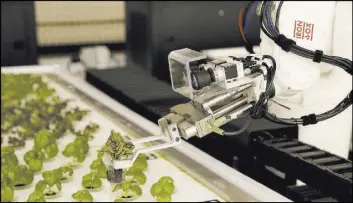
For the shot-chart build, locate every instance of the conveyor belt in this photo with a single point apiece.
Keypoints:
(324, 171)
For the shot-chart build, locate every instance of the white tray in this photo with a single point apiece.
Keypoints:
(198, 177)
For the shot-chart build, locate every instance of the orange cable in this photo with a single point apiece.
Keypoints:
(240, 24)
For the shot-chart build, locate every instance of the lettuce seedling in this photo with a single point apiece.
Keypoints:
(51, 184)
(166, 179)
(21, 175)
(164, 197)
(82, 196)
(8, 156)
(46, 142)
(36, 196)
(76, 114)
(91, 181)
(163, 189)
(77, 149)
(136, 176)
(88, 131)
(16, 142)
(128, 190)
(140, 164)
(117, 147)
(66, 173)
(99, 168)
(34, 160)
(7, 191)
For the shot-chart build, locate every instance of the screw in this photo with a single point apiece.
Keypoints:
(221, 13)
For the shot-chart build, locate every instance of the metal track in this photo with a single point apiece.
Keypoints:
(328, 173)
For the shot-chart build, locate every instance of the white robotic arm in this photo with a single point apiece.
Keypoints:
(288, 70)
(307, 87)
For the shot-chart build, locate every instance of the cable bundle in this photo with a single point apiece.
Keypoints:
(244, 18)
(271, 29)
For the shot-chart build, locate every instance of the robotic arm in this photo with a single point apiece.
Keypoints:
(220, 91)
(231, 88)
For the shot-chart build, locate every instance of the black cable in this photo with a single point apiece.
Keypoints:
(262, 22)
(238, 132)
(278, 13)
(248, 45)
(267, 27)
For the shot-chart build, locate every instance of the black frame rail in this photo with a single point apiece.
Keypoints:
(328, 173)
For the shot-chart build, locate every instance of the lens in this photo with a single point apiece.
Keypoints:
(200, 79)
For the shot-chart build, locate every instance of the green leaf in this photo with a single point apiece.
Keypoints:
(82, 196)
(140, 177)
(117, 187)
(119, 200)
(36, 196)
(8, 156)
(40, 186)
(164, 197)
(23, 175)
(42, 139)
(126, 185)
(140, 164)
(58, 185)
(99, 167)
(91, 180)
(136, 190)
(166, 179)
(7, 193)
(35, 165)
(51, 150)
(66, 172)
(79, 157)
(33, 155)
(156, 189)
(169, 188)
(69, 150)
(142, 157)
(52, 177)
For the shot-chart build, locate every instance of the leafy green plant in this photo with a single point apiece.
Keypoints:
(46, 143)
(51, 184)
(34, 160)
(66, 173)
(99, 168)
(21, 175)
(164, 197)
(137, 177)
(117, 147)
(135, 172)
(77, 149)
(8, 156)
(91, 181)
(88, 131)
(129, 190)
(36, 196)
(29, 105)
(7, 191)
(82, 196)
(163, 189)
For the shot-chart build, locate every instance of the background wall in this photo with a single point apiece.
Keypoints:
(76, 22)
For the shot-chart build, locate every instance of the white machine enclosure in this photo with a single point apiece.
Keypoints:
(305, 86)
